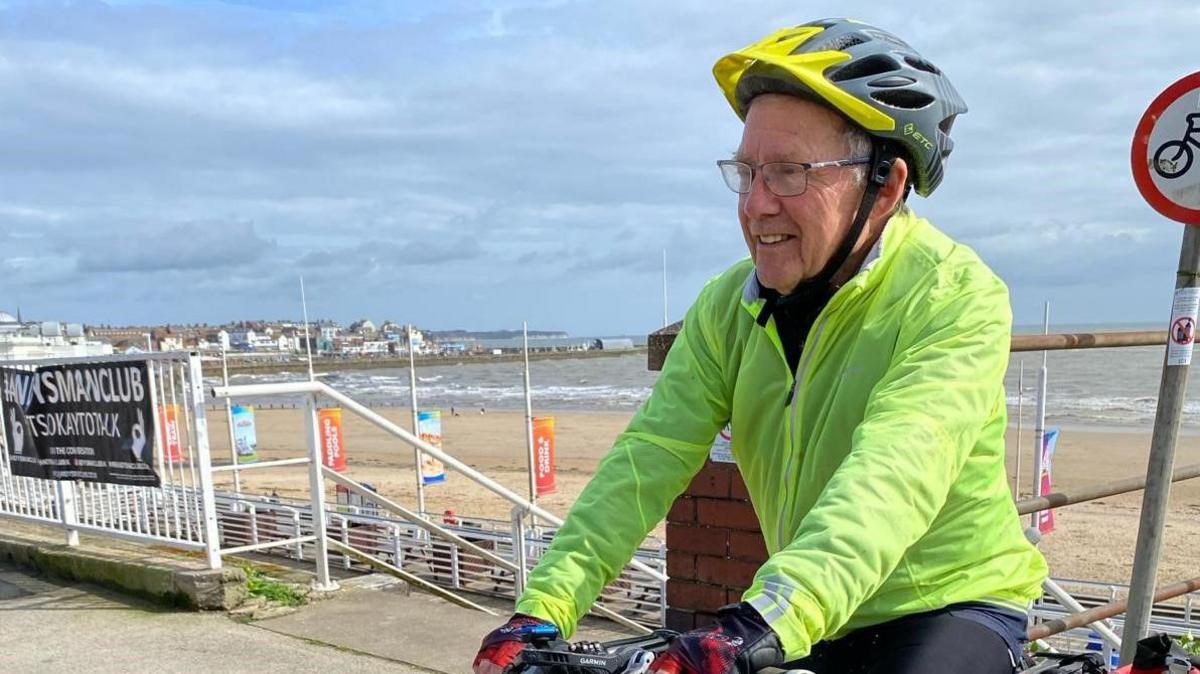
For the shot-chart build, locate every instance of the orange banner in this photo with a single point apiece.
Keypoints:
(333, 449)
(172, 448)
(543, 454)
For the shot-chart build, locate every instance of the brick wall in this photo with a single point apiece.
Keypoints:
(714, 547)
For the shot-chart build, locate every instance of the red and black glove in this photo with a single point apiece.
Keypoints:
(502, 645)
(740, 643)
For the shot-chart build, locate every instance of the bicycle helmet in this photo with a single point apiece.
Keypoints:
(869, 75)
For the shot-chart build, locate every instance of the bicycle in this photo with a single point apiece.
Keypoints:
(1168, 167)
(1156, 654)
(548, 654)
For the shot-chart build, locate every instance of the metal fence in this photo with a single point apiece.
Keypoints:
(177, 513)
(254, 521)
(1176, 617)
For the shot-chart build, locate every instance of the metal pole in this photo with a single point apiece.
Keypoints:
(1039, 429)
(531, 459)
(66, 510)
(518, 527)
(233, 455)
(1105, 611)
(412, 389)
(664, 287)
(1087, 340)
(316, 485)
(1162, 446)
(1020, 430)
(1101, 627)
(208, 504)
(1093, 492)
(307, 339)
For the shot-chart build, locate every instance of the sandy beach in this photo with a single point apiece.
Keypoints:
(1093, 541)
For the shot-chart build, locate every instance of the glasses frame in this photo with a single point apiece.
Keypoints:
(807, 166)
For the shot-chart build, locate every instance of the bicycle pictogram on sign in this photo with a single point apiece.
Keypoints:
(1173, 158)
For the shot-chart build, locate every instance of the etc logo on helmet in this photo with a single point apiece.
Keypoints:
(910, 130)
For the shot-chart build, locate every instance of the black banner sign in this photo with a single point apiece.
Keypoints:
(92, 422)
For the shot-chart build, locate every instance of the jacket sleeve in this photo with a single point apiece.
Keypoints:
(921, 421)
(651, 463)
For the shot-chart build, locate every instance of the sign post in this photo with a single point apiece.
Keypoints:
(1166, 168)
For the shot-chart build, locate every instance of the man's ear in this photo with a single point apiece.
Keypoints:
(890, 195)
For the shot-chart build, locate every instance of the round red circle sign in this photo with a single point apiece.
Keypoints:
(1166, 152)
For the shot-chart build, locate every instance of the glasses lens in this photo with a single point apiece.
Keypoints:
(736, 175)
(785, 178)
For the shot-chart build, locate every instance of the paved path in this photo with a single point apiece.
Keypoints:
(48, 625)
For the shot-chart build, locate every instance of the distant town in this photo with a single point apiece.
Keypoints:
(267, 341)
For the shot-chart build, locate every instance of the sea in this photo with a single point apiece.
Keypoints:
(1107, 388)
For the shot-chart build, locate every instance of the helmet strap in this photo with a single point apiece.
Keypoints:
(882, 159)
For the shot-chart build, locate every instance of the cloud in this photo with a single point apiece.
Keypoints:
(397, 151)
(213, 246)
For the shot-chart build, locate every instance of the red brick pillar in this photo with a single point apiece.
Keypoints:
(714, 547)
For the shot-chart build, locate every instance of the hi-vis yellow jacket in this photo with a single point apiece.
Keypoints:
(879, 483)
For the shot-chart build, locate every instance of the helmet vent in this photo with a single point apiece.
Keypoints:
(869, 66)
(922, 64)
(905, 99)
(844, 42)
(893, 81)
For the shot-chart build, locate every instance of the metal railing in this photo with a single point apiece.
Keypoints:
(250, 522)
(178, 513)
(522, 555)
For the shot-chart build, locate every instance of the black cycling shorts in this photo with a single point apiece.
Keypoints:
(925, 643)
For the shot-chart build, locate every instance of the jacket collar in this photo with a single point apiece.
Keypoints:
(879, 257)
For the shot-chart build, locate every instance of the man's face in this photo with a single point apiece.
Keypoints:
(792, 238)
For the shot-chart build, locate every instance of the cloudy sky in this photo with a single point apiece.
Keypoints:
(472, 164)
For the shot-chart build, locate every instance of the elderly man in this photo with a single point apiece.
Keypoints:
(859, 356)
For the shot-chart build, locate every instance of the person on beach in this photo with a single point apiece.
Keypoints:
(859, 356)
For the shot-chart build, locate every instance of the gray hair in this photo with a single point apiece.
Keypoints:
(858, 144)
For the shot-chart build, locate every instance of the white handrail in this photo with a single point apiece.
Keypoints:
(249, 390)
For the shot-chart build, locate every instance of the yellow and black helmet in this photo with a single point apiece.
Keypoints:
(869, 75)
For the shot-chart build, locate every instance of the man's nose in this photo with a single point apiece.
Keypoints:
(759, 201)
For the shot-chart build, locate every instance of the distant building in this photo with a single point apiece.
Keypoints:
(364, 327)
(242, 338)
(50, 339)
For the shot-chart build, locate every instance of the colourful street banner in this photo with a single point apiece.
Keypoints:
(173, 449)
(543, 453)
(245, 439)
(1049, 441)
(333, 448)
(429, 428)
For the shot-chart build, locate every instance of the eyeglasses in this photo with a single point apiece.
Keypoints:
(784, 178)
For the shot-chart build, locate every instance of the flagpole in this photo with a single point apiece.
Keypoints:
(665, 320)
(233, 455)
(412, 388)
(307, 339)
(532, 460)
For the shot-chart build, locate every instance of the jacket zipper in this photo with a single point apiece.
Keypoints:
(793, 426)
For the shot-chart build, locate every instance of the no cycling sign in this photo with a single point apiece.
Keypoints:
(1166, 167)
(1166, 152)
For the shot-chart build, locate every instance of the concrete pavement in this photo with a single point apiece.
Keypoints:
(48, 625)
